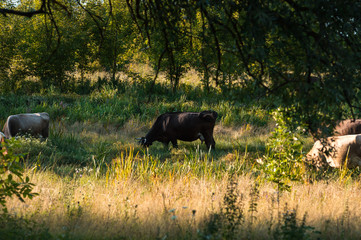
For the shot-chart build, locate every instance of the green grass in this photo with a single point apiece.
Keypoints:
(93, 126)
(116, 105)
(96, 182)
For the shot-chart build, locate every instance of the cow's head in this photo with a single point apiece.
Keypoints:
(144, 142)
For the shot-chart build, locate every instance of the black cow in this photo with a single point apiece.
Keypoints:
(185, 126)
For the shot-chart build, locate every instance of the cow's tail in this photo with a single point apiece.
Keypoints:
(6, 129)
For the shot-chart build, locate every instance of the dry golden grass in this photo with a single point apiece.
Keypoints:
(118, 205)
(85, 207)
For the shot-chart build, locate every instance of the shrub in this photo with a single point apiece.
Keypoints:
(12, 179)
(290, 227)
(227, 223)
(283, 160)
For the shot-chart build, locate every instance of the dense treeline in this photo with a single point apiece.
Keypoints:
(306, 53)
(51, 48)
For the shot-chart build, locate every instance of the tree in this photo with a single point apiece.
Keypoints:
(164, 28)
(306, 53)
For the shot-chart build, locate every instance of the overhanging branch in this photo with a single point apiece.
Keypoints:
(29, 14)
(44, 9)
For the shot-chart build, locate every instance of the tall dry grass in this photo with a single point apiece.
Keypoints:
(180, 194)
(182, 207)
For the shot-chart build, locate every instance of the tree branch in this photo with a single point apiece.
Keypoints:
(29, 14)
(92, 17)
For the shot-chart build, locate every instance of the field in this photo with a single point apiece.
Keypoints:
(95, 182)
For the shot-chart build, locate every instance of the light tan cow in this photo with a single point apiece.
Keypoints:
(335, 151)
(35, 124)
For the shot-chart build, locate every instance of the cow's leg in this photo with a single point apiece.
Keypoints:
(45, 133)
(213, 143)
(174, 143)
(210, 143)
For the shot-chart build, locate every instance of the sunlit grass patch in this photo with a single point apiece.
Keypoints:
(177, 204)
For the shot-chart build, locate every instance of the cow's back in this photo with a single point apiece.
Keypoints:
(180, 125)
(183, 120)
(33, 119)
(187, 126)
(347, 127)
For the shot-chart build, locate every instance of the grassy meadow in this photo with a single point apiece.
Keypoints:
(95, 182)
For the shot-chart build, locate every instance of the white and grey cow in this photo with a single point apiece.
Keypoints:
(34, 124)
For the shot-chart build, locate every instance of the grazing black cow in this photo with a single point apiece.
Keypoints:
(185, 126)
(35, 124)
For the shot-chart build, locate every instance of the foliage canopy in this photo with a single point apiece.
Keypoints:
(306, 54)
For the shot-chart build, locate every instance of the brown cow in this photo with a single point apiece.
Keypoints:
(335, 151)
(35, 124)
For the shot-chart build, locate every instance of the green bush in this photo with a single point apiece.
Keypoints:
(12, 178)
(282, 162)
